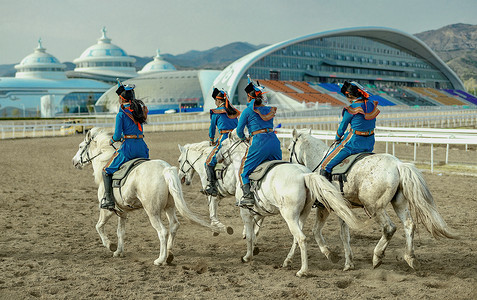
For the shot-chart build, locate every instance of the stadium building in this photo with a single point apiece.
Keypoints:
(396, 67)
(41, 88)
(174, 91)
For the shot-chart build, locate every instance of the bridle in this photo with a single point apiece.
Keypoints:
(191, 165)
(228, 153)
(85, 149)
(293, 153)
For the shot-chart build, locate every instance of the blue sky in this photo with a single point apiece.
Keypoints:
(140, 27)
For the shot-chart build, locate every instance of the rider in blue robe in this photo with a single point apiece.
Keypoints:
(360, 115)
(264, 144)
(128, 129)
(224, 119)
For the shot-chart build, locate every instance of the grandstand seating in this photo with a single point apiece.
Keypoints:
(308, 94)
(381, 101)
(463, 95)
(276, 85)
(436, 95)
(304, 92)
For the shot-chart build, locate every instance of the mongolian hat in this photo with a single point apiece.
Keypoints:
(125, 91)
(218, 94)
(354, 89)
(252, 87)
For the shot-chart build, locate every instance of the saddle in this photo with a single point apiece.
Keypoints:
(119, 177)
(340, 171)
(260, 172)
(264, 168)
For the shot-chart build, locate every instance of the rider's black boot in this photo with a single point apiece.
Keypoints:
(327, 175)
(108, 201)
(211, 188)
(247, 198)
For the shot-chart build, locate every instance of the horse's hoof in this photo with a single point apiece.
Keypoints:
(300, 274)
(348, 267)
(376, 264)
(230, 230)
(243, 260)
(117, 254)
(412, 262)
(215, 233)
(334, 257)
(170, 258)
(113, 247)
(256, 251)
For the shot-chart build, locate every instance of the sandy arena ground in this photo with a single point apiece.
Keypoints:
(49, 248)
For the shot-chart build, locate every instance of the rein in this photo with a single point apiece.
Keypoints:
(324, 156)
(293, 154)
(231, 149)
(86, 148)
(191, 165)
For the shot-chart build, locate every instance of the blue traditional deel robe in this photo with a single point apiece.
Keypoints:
(264, 146)
(224, 124)
(130, 148)
(361, 116)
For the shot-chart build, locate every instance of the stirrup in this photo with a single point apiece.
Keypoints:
(210, 191)
(246, 202)
(317, 204)
(105, 204)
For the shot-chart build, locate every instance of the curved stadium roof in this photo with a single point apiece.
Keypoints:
(230, 76)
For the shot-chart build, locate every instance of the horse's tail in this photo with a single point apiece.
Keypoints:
(175, 189)
(326, 193)
(421, 202)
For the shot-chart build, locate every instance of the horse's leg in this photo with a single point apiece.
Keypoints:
(344, 234)
(248, 222)
(401, 207)
(121, 231)
(213, 204)
(173, 227)
(292, 219)
(388, 228)
(321, 216)
(291, 253)
(104, 216)
(155, 219)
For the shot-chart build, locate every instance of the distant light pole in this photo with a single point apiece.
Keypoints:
(79, 109)
(23, 105)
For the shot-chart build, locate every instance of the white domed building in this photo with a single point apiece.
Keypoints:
(41, 88)
(40, 64)
(104, 61)
(157, 65)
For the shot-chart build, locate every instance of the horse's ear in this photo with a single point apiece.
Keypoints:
(88, 134)
(295, 134)
(181, 149)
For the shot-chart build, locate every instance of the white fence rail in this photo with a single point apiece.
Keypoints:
(416, 136)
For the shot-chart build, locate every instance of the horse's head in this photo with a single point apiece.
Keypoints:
(190, 160)
(90, 147)
(295, 147)
(231, 147)
(186, 169)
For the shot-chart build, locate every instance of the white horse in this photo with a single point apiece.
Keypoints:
(374, 182)
(153, 185)
(191, 161)
(289, 190)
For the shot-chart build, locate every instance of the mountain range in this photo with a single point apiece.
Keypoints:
(455, 44)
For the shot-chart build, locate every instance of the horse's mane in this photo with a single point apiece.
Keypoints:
(311, 141)
(201, 146)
